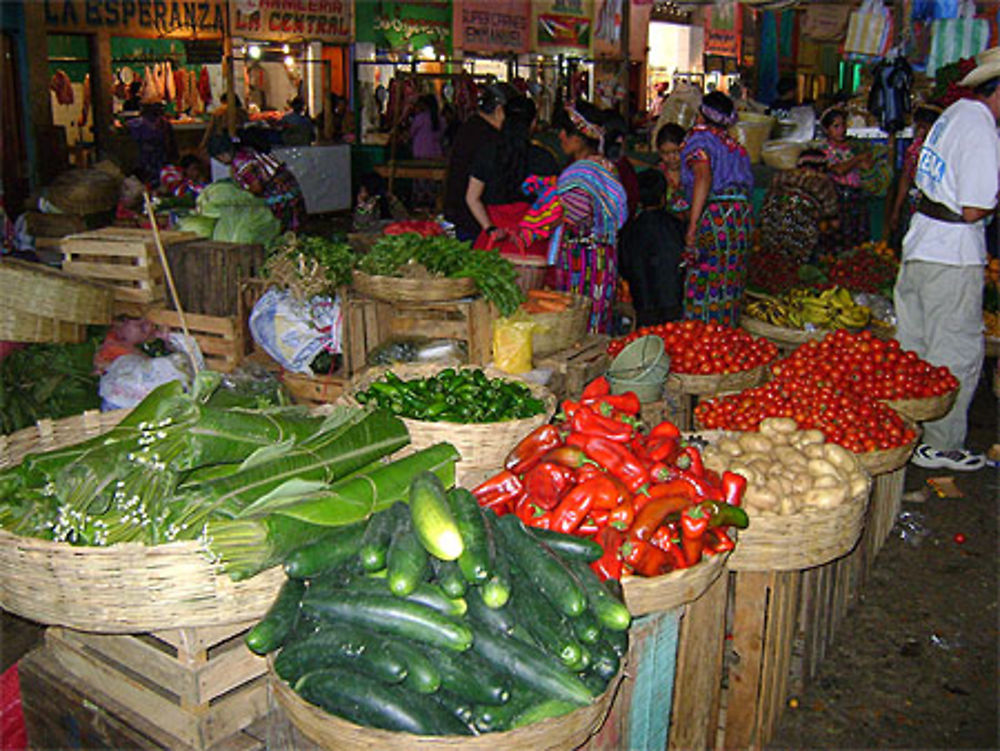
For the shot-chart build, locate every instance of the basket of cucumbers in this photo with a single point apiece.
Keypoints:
(436, 622)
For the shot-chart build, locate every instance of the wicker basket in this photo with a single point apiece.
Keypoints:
(719, 383)
(656, 594)
(780, 335)
(84, 191)
(120, 588)
(880, 462)
(48, 293)
(481, 445)
(560, 330)
(401, 289)
(19, 326)
(530, 270)
(793, 542)
(927, 409)
(331, 732)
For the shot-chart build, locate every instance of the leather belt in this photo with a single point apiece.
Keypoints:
(938, 211)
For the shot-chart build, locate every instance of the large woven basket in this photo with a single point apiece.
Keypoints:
(21, 326)
(926, 409)
(718, 383)
(84, 191)
(531, 270)
(401, 289)
(331, 732)
(658, 593)
(802, 540)
(481, 445)
(120, 588)
(780, 335)
(887, 460)
(48, 293)
(560, 330)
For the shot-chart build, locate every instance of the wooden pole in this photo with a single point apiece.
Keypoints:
(227, 72)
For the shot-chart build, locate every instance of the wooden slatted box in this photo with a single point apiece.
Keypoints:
(574, 367)
(126, 258)
(195, 687)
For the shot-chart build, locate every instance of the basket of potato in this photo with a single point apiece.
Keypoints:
(806, 498)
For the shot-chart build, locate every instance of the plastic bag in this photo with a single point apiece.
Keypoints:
(130, 378)
(419, 349)
(293, 332)
(512, 350)
(251, 224)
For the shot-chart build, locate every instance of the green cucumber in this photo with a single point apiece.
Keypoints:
(546, 626)
(496, 590)
(457, 705)
(449, 577)
(426, 593)
(279, 621)
(542, 711)
(539, 671)
(605, 660)
(498, 619)
(474, 561)
(586, 628)
(375, 541)
(347, 647)
(328, 552)
(407, 560)
(422, 675)
(594, 682)
(546, 570)
(610, 611)
(568, 546)
(617, 639)
(391, 615)
(489, 718)
(367, 702)
(468, 676)
(433, 520)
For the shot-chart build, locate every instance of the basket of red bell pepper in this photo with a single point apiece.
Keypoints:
(660, 516)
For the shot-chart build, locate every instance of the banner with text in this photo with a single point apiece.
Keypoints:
(563, 25)
(492, 26)
(139, 18)
(282, 20)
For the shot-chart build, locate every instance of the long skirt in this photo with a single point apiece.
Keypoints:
(717, 276)
(589, 268)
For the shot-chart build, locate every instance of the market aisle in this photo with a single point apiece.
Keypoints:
(915, 665)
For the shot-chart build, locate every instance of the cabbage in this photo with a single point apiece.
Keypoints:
(223, 194)
(203, 226)
(247, 225)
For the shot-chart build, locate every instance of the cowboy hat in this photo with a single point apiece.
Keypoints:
(987, 67)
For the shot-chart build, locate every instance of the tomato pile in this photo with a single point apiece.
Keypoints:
(646, 499)
(865, 364)
(863, 269)
(698, 348)
(855, 421)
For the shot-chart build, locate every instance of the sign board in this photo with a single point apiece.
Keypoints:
(723, 30)
(138, 18)
(563, 26)
(492, 26)
(286, 20)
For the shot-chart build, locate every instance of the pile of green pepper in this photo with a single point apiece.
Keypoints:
(466, 396)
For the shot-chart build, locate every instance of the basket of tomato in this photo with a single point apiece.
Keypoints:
(660, 518)
(707, 358)
(881, 369)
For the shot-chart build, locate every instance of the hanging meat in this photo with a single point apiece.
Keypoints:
(148, 85)
(168, 82)
(61, 85)
(180, 89)
(85, 110)
(204, 86)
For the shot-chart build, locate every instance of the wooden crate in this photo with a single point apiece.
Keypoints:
(315, 390)
(221, 338)
(195, 688)
(574, 367)
(208, 274)
(126, 258)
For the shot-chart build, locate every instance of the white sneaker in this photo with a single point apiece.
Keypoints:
(960, 460)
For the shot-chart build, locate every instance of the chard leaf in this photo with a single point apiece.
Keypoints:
(267, 453)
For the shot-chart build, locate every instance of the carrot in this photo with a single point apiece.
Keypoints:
(547, 294)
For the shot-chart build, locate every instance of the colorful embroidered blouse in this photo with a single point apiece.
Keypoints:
(726, 156)
(836, 153)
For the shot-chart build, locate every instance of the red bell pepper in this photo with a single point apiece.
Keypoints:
(659, 490)
(665, 429)
(542, 521)
(718, 541)
(607, 404)
(609, 565)
(694, 524)
(604, 490)
(690, 461)
(567, 456)
(622, 516)
(577, 503)
(664, 450)
(653, 513)
(733, 487)
(589, 471)
(500, 492)
(588, 527)
(569, 408)
(596, 388)
(667, 540)
(587, 421)
(702, 489)
(530, 449)
(546, 483)
(614, 457)
(645, 558)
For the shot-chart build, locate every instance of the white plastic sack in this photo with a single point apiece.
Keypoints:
(130, 378)
(293, 332)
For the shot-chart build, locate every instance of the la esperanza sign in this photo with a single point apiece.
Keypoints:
(202, 18)
(321, 20)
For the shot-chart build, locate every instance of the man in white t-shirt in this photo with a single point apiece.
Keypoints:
(939, 292)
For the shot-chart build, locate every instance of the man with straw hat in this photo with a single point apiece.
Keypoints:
(939, 292)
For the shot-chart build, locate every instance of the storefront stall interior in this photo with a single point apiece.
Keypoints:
(70, 70)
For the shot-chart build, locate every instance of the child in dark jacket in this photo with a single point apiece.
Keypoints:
(650, 249)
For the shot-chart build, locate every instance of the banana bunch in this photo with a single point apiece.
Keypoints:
(830, 309)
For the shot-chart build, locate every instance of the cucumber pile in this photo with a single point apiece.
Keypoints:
(439, 618)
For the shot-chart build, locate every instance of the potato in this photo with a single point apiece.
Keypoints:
(778, 425)
(811, 437)
(729, 446)
(755, 442)
(859, 484)
(820, 467)
(790, 457)
(789, 505)
(814, 451)
(828, 481)
(801, 482)
(840, 457)
(761, 498)
(752, 475)
(826, 497)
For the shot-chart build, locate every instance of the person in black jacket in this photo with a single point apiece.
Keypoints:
(649, 255)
